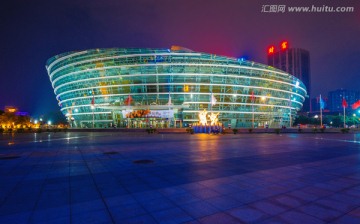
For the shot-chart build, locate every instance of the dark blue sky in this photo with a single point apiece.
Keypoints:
(33, 31)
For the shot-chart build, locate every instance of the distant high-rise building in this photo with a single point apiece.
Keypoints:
(295, 61)
(335, 99)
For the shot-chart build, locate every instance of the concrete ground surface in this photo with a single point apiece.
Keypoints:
(179, 178)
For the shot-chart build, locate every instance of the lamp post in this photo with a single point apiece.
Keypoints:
(93, 115)
(252, 108)
(344, 118)
(290, 115)
(290, 118)
(263, 99)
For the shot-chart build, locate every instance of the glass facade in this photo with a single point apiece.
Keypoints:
(101, 87)
(295, 61)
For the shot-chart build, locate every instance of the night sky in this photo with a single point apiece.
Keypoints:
(33, 31)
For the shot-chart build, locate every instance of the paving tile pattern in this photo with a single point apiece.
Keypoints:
(247, 178)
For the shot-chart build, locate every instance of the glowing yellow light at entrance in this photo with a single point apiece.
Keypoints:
(202, 117)
(214, 118)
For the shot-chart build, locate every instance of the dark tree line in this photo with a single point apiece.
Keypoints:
(329, 120)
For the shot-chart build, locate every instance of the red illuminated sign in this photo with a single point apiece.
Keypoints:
(271, 50)
(284, 45)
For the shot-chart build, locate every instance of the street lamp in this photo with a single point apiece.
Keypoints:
(263, 99)
(93, 108)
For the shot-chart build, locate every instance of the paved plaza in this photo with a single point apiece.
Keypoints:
(179, 178)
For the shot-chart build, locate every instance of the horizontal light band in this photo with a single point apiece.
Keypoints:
(179, 74)
(119, 56)
(166, 84)
(63, 58)
(171, 64)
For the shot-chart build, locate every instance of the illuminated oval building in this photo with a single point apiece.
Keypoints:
(169, 87)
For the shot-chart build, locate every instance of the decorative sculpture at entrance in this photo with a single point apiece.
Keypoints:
(203, 117)
(214, 120)
(203, 127)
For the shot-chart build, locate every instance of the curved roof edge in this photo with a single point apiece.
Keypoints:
(174, 49)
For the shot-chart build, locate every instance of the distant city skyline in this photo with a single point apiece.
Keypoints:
(35, 31)
(336, 97)
(334, 101)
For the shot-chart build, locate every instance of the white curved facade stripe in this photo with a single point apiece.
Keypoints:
(218, 75)
(109, 58)
(93, 87)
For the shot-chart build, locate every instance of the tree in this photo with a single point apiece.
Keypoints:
(55, 117)
(301, 119)
(352, 120)
(337, 121)
(12, 120)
